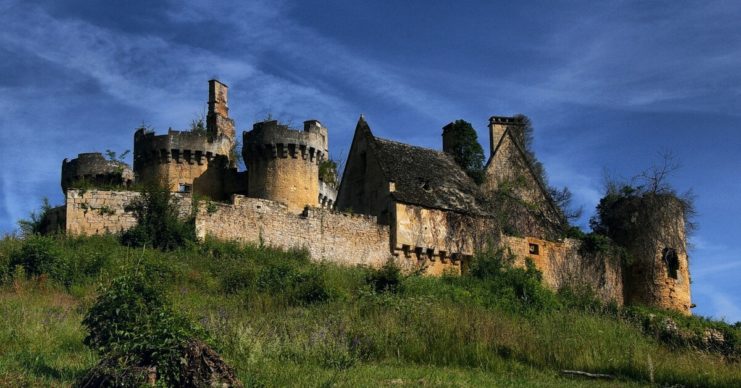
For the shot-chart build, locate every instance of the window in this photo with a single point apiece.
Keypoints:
(671, 260)
(184, 188)
(534, 249)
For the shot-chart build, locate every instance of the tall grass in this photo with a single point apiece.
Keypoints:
(282, 320)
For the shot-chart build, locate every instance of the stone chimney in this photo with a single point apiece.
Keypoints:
(217, 119)
(447, 138)
(497, 126)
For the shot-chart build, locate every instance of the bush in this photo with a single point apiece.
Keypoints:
(38, 255)
(158, 224)
(132, 322)
(386, 279)
(512, 288)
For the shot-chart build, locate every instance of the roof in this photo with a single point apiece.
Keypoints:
(426, 177)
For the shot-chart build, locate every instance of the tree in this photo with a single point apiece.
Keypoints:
(462, 143)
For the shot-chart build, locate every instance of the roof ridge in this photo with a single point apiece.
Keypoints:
(412, 145)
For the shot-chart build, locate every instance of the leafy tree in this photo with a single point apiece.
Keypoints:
(328, 172)
(463, 145)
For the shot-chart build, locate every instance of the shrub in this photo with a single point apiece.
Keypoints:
(158, 224)
(386, 279)
(512, 288)
(37, 255)
(488, 264)
(310, 287)
(132, 322)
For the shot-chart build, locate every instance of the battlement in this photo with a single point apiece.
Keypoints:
(179, 147)
(270, 139)
(92, 167)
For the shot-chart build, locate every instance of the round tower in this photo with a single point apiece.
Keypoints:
(196, 161)
(93, 168)
(652, 229)
(187, 162)
(283, 164)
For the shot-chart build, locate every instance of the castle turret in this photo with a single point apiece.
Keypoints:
(283, 164)
(651, 227)
(190, 161)
(93, 169)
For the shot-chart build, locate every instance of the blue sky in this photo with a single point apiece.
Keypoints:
(608, 86)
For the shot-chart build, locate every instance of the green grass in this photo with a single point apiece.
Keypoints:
(282, 320)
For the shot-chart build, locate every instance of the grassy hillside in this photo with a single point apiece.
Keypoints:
(282, 320)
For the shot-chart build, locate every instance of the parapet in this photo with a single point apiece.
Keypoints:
(93, 168)
(269, 139)
(505, 120)
(178, 146)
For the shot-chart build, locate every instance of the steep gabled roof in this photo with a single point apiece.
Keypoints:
(425, 177)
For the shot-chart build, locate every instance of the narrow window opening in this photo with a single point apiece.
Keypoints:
(534, 249)
(184, 188)
(671, 260)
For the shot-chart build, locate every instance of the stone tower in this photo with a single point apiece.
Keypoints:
(94, 169)
(652, 229)
(190, 161)
(283, 164)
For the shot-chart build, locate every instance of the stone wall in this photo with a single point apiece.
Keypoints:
(90, 212)
(98, 212)
(337, 237)
(563, 265)
(419, 237)
(437, 239)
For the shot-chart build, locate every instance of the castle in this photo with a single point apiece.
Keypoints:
(395, 201)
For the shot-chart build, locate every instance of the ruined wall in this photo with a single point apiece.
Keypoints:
(337, 237)
(94, 169)
(652, 229)
(564, 265)
(93, 212)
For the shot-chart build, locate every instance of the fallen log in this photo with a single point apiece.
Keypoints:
(587, 374)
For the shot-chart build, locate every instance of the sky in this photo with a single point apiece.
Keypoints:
(609, 87)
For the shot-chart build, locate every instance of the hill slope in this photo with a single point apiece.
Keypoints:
(281, 320)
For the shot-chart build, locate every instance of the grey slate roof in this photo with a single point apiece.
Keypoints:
(426, 177)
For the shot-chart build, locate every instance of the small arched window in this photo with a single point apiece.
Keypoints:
(671, 261)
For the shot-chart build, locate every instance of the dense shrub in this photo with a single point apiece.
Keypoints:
(39, 255)
(158, 222)
(132, 322)
(512, 288)
(386, 279)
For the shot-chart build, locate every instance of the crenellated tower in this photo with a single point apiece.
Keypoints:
(283, 164)
(191, 161)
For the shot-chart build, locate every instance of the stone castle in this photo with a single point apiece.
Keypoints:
(395, 201)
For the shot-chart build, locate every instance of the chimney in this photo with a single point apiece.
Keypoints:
(497, 126)
(447, 138)
(217, 98)
(217, 119)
